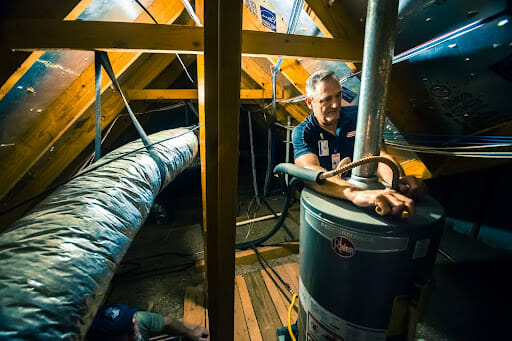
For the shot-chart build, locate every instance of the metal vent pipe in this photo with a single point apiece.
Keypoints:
(379, 43)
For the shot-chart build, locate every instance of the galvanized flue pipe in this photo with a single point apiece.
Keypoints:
(379, 45)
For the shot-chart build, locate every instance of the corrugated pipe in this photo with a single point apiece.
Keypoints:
(57, 261)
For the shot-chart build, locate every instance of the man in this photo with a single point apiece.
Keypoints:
(327, 136)
(116, 322)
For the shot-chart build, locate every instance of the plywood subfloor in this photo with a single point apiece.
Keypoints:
(261, 303)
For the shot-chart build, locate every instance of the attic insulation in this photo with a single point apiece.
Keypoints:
(57, 261)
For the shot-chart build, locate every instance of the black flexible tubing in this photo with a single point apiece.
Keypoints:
(284, 212)
(288, 231)
(265, 265)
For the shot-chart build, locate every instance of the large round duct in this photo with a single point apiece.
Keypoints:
(57, 261)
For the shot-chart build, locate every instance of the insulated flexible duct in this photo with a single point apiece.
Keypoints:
(57, 261)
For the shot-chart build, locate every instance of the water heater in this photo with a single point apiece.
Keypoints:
(356, 267)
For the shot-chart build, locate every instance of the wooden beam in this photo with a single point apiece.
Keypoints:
(30, 35)
(249, 257)
(34, 56)
(222, 51)
(258, 94)
(174, 94)
(257, 43)
(160, 94)
(68, 108)
(208, 174)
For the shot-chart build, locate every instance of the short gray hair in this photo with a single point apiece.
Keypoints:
(315, 78)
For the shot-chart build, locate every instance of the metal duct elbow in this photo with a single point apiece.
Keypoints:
(57, 261)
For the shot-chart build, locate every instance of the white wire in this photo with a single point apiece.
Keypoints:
(391, 143)
(484, 155)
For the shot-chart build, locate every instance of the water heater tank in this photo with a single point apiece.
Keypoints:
(354, 266)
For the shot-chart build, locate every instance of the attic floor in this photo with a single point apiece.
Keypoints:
(469, 303)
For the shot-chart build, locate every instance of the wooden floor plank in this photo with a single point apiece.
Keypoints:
(280, 298)
(194, 307)
(290, 274)
(248, 310)
(241, 331)
(266, 314)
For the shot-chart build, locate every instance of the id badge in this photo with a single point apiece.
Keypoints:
(323, 148)
(335, 159)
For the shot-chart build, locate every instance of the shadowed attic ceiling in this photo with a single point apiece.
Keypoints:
(47, 98)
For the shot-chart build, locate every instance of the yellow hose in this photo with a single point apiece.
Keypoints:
(290, 317)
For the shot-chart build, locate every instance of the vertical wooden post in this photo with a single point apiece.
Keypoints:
(199, 4)
(222, 59)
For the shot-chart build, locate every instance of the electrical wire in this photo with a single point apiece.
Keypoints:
(191, 12)
(177, 55)
(92, 168)
(91, 157)
(265, 265)
(290, 317)
(478, 154)
(293, 185)
(444, 139)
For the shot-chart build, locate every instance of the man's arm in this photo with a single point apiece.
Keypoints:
(189, 331)
(388, 201)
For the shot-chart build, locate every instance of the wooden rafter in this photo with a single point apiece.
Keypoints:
(81, 132)
(121, 123)
(255, 68)
(291, 68)
(88, 35)
(66, 111)
(34, 56)
(332, 29)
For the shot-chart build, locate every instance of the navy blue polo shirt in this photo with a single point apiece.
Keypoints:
(111, 323)
(306, 137)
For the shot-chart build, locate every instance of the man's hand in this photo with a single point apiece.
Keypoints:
(386, 201)
(189, 331)
(196, 333)
(412, 187)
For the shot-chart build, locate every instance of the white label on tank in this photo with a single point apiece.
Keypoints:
(322, 325)
(421, 248)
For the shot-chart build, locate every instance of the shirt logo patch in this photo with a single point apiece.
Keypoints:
(351, 133)
(112, 313)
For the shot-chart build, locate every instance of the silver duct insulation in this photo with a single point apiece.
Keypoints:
(57, 261)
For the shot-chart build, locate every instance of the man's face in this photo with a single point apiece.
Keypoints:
(326, 102)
